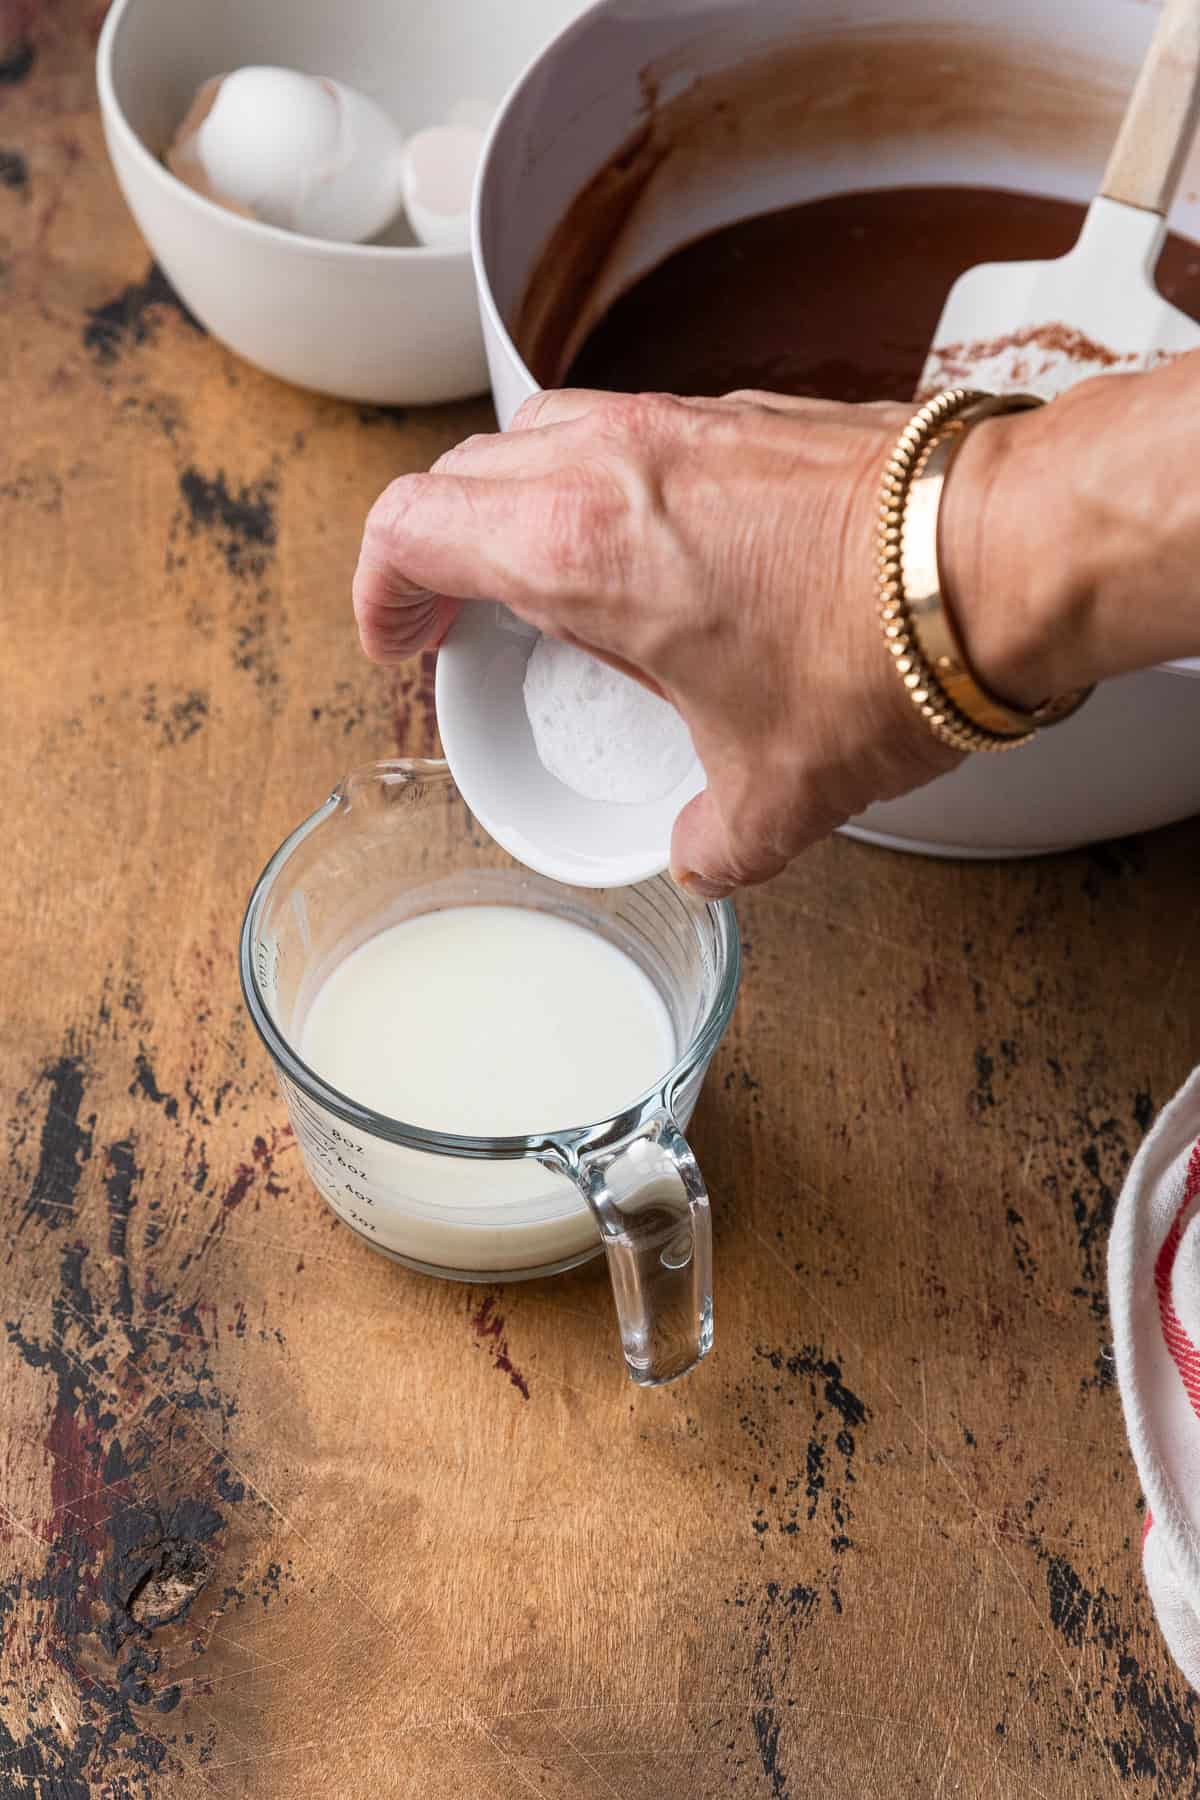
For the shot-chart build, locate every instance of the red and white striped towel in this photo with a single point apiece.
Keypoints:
(1154, 1296)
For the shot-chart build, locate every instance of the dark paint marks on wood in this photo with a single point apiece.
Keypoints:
(242, 522)
(121, 1189)
(145, 1082)
(66, 1143)
(766, 1735)
(487, 1322)
(1104, 1373)
(1093, 1204)
(1070, 1602)
(239, 523)
(815, 1366)
(16, 63)
(1112, 863)
(229, 1489)
(1022, 1249)
(982, 1098)
(159, 1563)
(134, 1532)
(131, 318)
(347, 708)
(14, 171)
(177, 720)
(259, 1171)
(790, 1498)
(383, 415)
(780, 1617)
(1155, 1738)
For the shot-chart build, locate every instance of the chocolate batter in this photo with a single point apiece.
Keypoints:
(837, 298)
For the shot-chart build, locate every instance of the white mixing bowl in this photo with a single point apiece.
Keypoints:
(1015, 95)
(388, 323)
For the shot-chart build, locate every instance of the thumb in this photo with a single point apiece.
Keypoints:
(700, 852)
(716, 850)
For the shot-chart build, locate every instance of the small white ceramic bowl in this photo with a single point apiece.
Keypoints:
(1009, 93)
(389, 323)
(489, 746)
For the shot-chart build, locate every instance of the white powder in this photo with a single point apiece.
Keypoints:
(599, 732)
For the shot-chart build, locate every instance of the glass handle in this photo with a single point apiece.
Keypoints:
(651, 1205)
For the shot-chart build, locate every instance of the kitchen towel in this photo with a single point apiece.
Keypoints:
(1154, 1297)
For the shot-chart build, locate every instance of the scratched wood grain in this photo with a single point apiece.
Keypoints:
(278, 1519)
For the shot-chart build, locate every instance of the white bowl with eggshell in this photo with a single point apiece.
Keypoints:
(392, 321)
(1018, 96)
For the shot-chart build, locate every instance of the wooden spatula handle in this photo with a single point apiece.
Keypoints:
(1160, 120)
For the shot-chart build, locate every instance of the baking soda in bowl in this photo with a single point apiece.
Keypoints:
(599, 732)
(481, 1021)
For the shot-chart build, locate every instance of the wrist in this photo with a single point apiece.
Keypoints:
(1070, 536)
(1015, 567)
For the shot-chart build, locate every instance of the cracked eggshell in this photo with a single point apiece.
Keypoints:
(297, 151)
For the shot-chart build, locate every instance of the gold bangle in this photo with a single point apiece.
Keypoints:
(917, 625)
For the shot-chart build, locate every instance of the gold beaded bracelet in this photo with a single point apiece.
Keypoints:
(917, 625)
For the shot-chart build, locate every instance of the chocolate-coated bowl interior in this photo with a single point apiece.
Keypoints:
(649, 124)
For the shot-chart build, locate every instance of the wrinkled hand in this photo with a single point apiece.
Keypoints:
(721, 551)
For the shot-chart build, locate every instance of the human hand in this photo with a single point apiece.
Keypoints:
(722, 551)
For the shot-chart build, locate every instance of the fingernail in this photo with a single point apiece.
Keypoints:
(702, 887)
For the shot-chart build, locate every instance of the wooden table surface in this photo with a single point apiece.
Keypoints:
(280, 1519)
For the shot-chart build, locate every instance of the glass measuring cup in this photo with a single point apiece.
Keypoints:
(395, 840)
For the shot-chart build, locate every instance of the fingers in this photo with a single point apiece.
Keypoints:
(461, 532)
(741, 831)
(443, 534)
(534, 440)
(564, 405)
(396, 617)
(554, 546)
(557, 407)
(553, 425)
(498, 517)
(513, 455)
(777, 403)
(425, 547)
(816, 411)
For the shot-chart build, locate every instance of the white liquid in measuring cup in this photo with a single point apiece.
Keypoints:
(481, 1021)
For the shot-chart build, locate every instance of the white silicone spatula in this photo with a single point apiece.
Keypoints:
(1042, 326)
